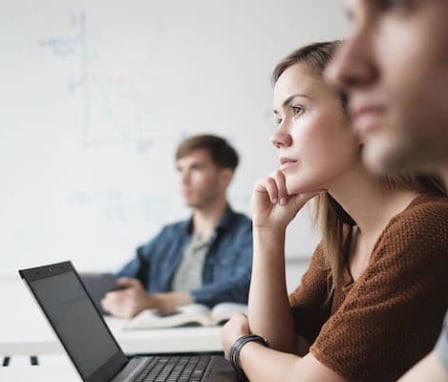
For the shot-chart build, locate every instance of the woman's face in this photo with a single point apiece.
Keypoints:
(316, 144)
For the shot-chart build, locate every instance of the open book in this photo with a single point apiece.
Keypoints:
(187, 315)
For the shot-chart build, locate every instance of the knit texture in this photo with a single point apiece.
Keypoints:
(376, 328)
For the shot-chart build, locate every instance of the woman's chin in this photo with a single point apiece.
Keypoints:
(296, 189)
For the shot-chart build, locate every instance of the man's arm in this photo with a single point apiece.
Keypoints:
(138, 267)
(135, 279)
(235, 289)
(133, 298)
(154, 255)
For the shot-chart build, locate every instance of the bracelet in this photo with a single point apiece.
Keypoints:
(235, 352)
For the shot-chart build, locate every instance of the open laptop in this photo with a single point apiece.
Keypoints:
(95, 353)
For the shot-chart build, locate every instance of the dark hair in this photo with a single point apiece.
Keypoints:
(333, 221)
(222, 153)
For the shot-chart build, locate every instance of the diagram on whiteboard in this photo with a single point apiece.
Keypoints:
(114, 110)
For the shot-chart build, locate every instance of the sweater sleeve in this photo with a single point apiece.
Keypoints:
(309, 300)
(393, 314)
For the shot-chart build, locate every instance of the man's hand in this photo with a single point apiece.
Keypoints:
(169, 301)
(133, 299)
(128, 302)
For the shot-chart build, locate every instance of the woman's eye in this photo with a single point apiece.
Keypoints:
(278, 120)
(296, 110)
(394, 4)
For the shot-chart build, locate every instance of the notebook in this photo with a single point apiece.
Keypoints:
(92, 348)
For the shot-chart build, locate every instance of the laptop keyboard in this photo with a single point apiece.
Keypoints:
(174, 369)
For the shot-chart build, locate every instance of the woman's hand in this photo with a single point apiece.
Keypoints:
(272, 206)
(235, 328)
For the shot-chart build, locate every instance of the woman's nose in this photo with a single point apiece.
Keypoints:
(281, 138)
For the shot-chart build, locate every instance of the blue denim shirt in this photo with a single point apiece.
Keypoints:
(227, 266)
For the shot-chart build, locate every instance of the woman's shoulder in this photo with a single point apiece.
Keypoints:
(425, 208)
(424, 221)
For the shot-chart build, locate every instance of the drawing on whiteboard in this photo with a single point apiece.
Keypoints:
(120, 207)
(112, 109)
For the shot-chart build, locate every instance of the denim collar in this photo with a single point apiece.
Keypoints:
(224, 224)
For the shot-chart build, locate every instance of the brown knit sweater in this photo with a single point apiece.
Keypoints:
(376, 328)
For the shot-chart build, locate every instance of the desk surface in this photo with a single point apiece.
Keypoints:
(51, 373)
(54, 368)
(24, 330)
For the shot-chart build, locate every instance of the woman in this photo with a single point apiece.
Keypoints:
(373, 299)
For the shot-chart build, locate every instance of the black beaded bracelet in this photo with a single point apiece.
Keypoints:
(236, 348)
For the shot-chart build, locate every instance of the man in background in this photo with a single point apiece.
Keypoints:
(206, 259)
(395, 69)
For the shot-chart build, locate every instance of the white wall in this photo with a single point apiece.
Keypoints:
(95, 96)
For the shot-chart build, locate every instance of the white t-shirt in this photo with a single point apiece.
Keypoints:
(442, 345)
(188, 275)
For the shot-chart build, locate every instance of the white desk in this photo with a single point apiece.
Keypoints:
(52, 369)
(51, 373)
(25, 331)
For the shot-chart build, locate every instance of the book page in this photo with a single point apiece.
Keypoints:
(194, 308)
(223, 311)
(193, 314)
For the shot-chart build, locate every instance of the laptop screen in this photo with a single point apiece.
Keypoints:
(74, 318)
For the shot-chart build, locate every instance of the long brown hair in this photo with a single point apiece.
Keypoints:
(334, 223)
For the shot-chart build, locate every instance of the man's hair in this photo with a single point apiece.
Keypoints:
(222, 153)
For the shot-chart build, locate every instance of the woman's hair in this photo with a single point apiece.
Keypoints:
(315, 58)
(334, 223)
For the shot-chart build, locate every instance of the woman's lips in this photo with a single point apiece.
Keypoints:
(285, 163)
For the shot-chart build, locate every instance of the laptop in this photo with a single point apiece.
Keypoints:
(92, 348)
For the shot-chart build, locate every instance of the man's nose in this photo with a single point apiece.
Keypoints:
(352, 66)
(184, 177)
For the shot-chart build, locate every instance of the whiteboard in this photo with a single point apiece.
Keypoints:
(97, 94)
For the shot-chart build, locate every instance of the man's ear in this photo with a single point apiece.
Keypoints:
(226, 175)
